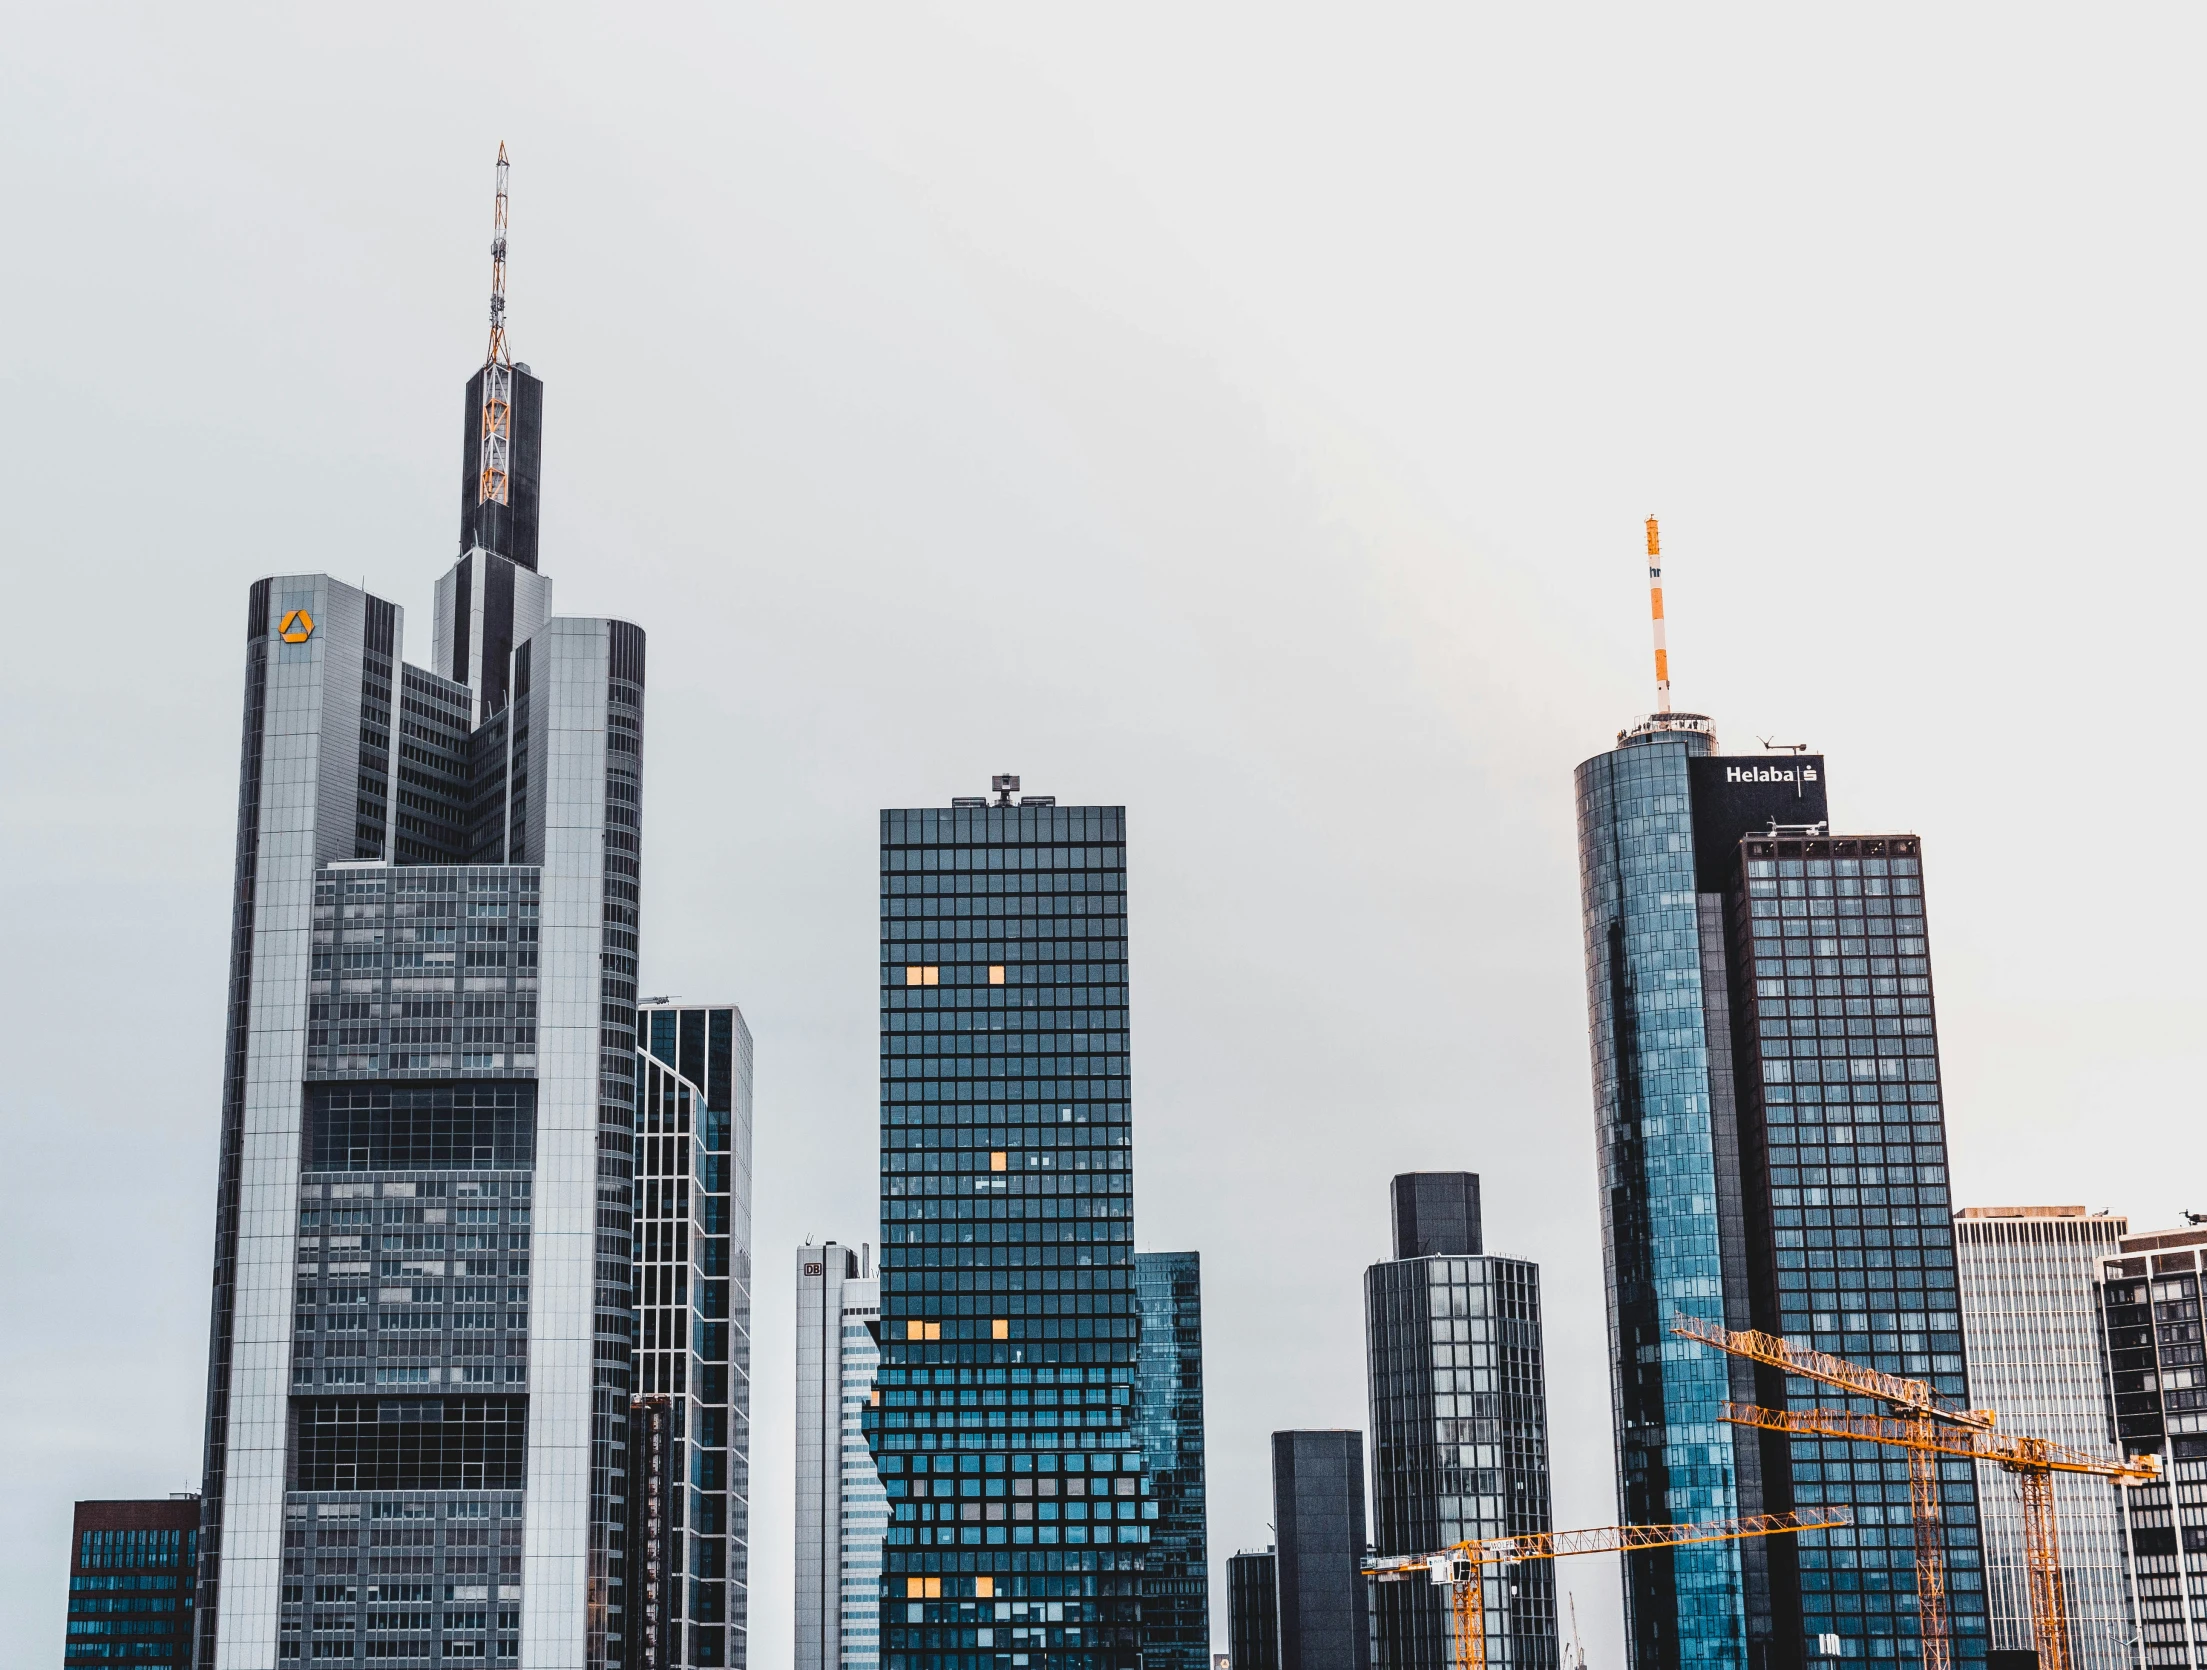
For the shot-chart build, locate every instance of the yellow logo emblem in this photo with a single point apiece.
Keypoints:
(297, 627)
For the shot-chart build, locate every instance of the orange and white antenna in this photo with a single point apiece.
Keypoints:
(494, 482)
(1655, 606)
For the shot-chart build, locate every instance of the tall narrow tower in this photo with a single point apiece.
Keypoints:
(418, 1379)
(1773, 1155)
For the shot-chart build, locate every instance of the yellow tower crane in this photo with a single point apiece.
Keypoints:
(1459, 1566)
(1927, 1430)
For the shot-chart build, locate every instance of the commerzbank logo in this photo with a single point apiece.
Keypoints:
(1769, 774)
(297, 627)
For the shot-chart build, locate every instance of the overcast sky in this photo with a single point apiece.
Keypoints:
(1245, 414)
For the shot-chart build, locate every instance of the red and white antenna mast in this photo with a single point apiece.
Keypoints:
(1655, 586)
(494, 483)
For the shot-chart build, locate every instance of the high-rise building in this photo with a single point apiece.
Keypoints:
(1773, 1155)
(2157, 1382)
(1006, 1441)
(1168, 1402)
(1253, 1611)
(2031, 1316)
(418, 1386)
(1318, 1521)
(841, 1512)
(1459, 1396)
(689, 1533)
(131, 1568)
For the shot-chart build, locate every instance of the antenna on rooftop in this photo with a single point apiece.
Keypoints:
(494, 484)
(1655, 611)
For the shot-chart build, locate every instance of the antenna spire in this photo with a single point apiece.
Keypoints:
(494, 484)
(1655, 595)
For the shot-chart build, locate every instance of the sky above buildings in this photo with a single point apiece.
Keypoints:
(1242, 414)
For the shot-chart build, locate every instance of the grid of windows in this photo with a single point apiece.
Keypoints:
(1459, 1448)
(1176, 1589)
(2032, 1328)
(1677, 1460)
(130, 1584)
(1020, 1506)
(1839, 1095)
(402, 1578)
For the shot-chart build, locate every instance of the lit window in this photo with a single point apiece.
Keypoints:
(922, 974)
(1000, 1329)
(996, 974)
(999, 1160)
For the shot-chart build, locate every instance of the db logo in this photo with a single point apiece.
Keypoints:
(297, 627)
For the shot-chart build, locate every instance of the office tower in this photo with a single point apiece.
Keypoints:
(418, 1381)
(2157, 1382)
(690, 1530)
(841, 1512)
(1168, 1402)
(131, 1570)
(1318, 1521)
(1006, 1434)
(1459, 1424)
(1253, 1611)
(2031, 1317)
(1773, 1155)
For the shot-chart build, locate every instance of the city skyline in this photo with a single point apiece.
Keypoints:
(1097, 409)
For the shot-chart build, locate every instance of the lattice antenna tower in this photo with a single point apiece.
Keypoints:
(1655, 585)
(495, 484)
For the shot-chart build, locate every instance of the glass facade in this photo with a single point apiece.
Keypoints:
(1459, 1449)
(2031, 1320)
(1773, 1156)
(693, 1332)
(841, 1510)
(1253, 1611)
(2157, 1384)
(420, 1345)
(130, 1584)
(1021, 1506)
(1168, 1400)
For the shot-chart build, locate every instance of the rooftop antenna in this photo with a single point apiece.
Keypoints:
(1577, 1660)
(494, 484)
(1783, 747)
(1655, 611)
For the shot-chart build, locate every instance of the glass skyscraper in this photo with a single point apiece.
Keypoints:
(690, 1530)
(1168, 1402)
(1773, 1155)
(1021, 1508)
(130, 1584)
(1459, 1395)
(418, 1381)
(2031, 1316)
(841, 1512)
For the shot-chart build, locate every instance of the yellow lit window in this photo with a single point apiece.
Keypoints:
(999, 1160)
(923, 1588)
(922, 974)
(996, 974)
(1000, 1329)
(934, 1330)
(984, 1588)
(915, 1329)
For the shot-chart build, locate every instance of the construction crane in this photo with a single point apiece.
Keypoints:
(1655, 613)
(1927, 1430)
(1460, 1566)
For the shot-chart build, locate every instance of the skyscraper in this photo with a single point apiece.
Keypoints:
(418, 1384)
(1168, 1402)
(2031, 1315)
(2157, 1382)
(130, 1584)
(1459, 1394)
(841, 1512)
(1773, 1155)
(1253, 1610)
(1318, 1519)
(693, 1336)
(1021, 1508)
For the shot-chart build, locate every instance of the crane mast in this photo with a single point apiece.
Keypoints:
(494, 482)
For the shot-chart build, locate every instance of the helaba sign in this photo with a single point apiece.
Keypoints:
(1769, 774)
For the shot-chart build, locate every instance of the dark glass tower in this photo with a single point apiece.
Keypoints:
(1773, 1156)
(1253, 1610)
(1318, 1517)
(1459, 1424)
(1020, 1505)
(1168, 1401)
